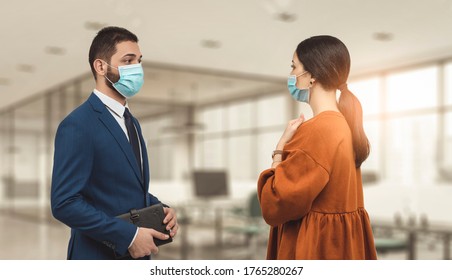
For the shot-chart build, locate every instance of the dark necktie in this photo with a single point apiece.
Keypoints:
(133, 138)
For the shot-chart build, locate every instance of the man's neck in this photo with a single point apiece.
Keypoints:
(103, 88)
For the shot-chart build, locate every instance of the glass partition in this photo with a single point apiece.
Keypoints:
(26, 192)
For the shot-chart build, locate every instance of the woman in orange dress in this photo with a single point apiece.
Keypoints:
(312, 196)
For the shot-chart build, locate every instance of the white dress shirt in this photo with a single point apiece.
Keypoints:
(116, 109)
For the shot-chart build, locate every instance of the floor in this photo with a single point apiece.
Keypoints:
(23, 238)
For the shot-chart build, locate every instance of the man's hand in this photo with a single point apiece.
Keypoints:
(144, 245)
(171, 221)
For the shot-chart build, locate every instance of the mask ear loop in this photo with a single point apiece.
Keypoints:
(301, 74)
(109, 64)
(106, 74)
(108, 80)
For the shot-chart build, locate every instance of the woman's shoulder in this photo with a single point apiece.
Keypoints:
(326, 126)
(325, 118)
(321, 135)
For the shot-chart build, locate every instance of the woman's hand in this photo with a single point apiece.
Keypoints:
(292, 126)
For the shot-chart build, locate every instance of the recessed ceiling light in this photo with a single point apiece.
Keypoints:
(383, 36)
(28, 68)
(4, 82)
(94, 25)
(211, 44)
(286, 17)
(53, 50)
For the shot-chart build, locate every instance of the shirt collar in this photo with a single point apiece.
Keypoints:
(111, 104)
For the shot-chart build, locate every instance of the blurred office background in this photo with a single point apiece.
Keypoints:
(215, 101)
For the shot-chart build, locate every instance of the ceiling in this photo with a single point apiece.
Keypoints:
(46, 42)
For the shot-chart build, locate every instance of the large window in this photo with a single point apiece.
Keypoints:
(369, 93)
(240, 136)
(448, 83)
(446, 156)
(445, 150)
(415, 89)
(161, 142)
(272, 110)
(410, 150)
(411, 135)
(210, 146)
(403, 123)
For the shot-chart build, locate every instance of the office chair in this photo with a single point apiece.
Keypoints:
(248, 222)
(386, 245)
(387, 242)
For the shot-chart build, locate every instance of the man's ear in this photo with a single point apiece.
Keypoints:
(100, 67)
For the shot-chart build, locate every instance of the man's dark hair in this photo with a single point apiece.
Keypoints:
(104, 44)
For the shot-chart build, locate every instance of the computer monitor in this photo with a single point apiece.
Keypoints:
(210, 183)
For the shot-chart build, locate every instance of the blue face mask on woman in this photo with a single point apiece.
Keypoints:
(301, 95)
(131, 79)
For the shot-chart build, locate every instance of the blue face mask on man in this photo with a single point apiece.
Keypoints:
(131, 79)
(301, 95)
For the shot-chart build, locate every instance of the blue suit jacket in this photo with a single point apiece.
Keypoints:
(95, 178)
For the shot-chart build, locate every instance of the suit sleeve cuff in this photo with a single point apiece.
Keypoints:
(135, 236)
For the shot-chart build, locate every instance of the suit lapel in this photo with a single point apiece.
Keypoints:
(112, 125)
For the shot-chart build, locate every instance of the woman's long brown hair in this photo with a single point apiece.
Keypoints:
(351, 108)
(328, 61)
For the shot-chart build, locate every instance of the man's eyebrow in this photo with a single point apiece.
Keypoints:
(129, 54)
(132, 55)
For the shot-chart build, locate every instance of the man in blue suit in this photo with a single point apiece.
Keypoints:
(101, 167)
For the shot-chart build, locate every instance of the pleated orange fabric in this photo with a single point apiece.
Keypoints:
(313, 200)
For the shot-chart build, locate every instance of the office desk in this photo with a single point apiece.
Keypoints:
(412, 231)
(192, 214)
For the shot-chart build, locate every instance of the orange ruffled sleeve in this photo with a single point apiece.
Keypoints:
(286, 192)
